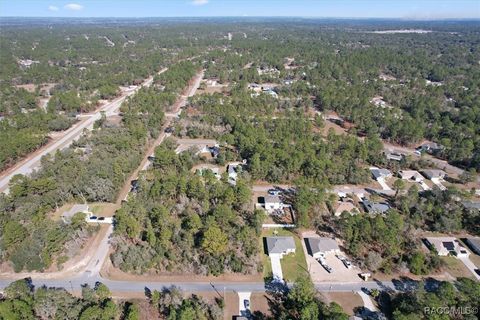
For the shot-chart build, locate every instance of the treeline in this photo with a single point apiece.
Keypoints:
(182, 222)
(457, 300)
(21, 301)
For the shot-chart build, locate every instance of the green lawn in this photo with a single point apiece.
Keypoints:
(293, 265)
(456, 267)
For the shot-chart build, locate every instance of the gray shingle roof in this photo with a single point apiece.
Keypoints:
(322, 244)
(280, 244)
(375, 207)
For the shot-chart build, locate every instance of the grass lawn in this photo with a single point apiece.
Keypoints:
(456, 267)
(293, 265)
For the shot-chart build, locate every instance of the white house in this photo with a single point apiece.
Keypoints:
(446, 246)
(273, 202)
(410, 175)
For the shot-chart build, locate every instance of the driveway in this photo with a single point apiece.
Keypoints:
(469, 264)
(242, 296)
(438, 183)
(424, 185)
(384, 184)
(276, 267)
(318, 273)
(367, 301)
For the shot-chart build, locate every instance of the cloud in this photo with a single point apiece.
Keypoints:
(74, 6)
(199, 2)
(53, 8)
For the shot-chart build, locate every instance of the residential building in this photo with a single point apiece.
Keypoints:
(445, 246)
(320, 247)
(280, 245)
(434, 174)
(474, 244)
(345, 206)
(378, 173)
(410, 175)
(273, 202)
(394, 155)
(430, 147)
(471, 205)
(375, 207)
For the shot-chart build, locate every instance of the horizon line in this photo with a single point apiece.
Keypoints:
(246, 17)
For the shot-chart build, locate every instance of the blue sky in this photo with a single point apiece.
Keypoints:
(419, 9)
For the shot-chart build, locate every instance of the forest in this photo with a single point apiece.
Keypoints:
(22, 301)
(92, 169)
(179, 222)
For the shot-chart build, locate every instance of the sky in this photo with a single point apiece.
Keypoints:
(405, 9)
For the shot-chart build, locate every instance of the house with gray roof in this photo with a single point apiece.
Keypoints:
(434, 174)
(474, 244)
(394, 155)
(375, 207)
(319, 247)
(280, 245)
(378, 173)
(471, 205)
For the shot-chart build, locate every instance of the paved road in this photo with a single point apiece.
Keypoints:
(28, 165)
(119, 287)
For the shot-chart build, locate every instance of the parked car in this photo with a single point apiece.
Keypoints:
(327, 268)
(274, 192)
(169, 130)
(101, 218)
(347, 263)
(93, 218)
(246, 303)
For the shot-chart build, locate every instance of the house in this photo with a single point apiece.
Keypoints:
(430, 147)
(378, 173)
(434, 174)
(394, 155)
(344, 206)
(77, 208)
(233, 169)
(280, 245)
(474, 244)
(214, 151)
(320, 247)
(375, 207)
(273, 202)
(410, 175)
(471, 205)
(270, 92)
(446, 246)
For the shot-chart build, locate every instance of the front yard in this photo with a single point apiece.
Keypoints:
(293, 265)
